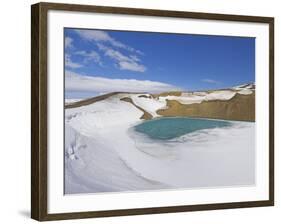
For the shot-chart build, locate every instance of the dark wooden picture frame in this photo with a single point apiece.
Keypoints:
(39, 106)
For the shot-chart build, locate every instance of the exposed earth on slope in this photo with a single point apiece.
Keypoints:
(237, 103)
(240, 107)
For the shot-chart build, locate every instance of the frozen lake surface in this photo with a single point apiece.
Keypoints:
(168, 128)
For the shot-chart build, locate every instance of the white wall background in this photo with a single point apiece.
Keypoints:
(15, 111)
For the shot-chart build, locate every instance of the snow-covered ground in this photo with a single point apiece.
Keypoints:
(245, 86)
(104, 154)
(150, 105)
(199, 97)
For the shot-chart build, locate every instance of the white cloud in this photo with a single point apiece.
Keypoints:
(68, 42)
(90, 56)
(102, 36)
(95, 35)
(211, 81)
(131, 66)
(70, 64)
(75, 82)
(124, 62)
(135, 57)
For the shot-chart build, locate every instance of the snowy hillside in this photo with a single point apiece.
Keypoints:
(104, 154)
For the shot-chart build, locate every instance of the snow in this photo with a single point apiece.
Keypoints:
(150, 105)
(187, 99)
(97, 138)
(197, 159)
(220, 95)
(245, 92)
(99, 168)
(102, 115)
(198, 97)
(244, 86)
(104, 154)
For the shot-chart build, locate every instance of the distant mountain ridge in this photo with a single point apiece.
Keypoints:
(235, 103)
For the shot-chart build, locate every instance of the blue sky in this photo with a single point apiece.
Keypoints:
(99, 61)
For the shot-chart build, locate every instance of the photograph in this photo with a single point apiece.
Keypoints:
(151, 111)
(139, 111)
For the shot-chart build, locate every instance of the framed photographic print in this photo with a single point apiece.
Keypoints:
(139, 111)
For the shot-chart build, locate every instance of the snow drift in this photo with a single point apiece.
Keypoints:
(104, 154)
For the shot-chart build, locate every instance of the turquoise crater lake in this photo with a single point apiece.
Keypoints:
(168, 128)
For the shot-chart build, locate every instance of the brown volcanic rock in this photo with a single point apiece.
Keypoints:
(90, 100)
(93, 100)
(240, 107)
(171, 93)
(145, 96)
